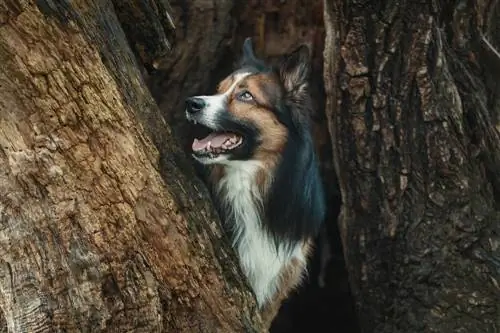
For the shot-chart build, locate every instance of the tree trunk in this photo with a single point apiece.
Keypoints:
(104, 226)
(201, 44)
(413, 107)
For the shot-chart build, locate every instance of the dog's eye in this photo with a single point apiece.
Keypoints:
(245, 96)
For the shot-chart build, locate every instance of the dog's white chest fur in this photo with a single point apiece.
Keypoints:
(261, 260)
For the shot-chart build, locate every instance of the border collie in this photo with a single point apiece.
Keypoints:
(262, 167)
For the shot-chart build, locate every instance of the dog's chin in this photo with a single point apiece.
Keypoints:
(210, 158)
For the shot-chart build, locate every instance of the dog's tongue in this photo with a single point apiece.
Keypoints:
(216, 140)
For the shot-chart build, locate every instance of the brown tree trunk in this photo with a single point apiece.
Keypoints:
(104, 227)
(413, 107)
(200, 44)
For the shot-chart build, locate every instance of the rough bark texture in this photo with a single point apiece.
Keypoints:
(149, 27)
(413, 106)
(201, 42)
(103, 225)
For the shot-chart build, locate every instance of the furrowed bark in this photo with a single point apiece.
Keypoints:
(104, 226)
(202, 40)
(413, 111)
(149, 27)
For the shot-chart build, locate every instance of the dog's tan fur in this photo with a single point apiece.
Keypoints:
(265, 90)
(291, 277)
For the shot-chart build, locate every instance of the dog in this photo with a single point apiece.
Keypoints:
(262, 167)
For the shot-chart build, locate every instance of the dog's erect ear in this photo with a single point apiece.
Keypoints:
(294, 70)
(249, 59)
(248, 55)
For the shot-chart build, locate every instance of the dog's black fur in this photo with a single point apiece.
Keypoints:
(295, 207)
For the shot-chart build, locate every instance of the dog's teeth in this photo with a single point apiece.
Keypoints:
(195, 122)
(209, 144)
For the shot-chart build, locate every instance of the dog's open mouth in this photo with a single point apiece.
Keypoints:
(216, 143)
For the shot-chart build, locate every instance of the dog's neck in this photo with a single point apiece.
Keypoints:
(240, 193)
(241, 190)
(251, 178)
(272, 210)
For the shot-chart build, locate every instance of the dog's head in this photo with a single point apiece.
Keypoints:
(255, 111)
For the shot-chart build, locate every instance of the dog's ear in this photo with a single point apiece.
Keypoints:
(248, 58)
(248, 54)
(294, 70)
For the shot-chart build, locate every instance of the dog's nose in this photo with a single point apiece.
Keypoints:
(195, 104)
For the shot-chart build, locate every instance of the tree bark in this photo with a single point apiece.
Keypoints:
(201, 43)
(104, 227)
(413, 109)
